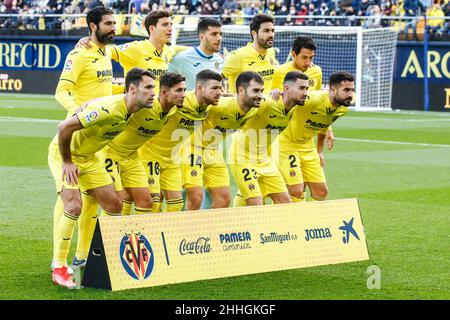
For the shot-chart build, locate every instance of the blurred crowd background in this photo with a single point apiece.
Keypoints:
(407, 15)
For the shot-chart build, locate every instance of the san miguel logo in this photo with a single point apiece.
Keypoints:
(136, 255)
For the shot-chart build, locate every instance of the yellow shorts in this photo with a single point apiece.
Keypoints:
(92, 172)
(298, 166)
(162, 173)
(257, 179)
(126, 173)
(205, 168)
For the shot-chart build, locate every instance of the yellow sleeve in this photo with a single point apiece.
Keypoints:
(73, 67)
(277, 82)
(325, 130)
(319, 85)
(118, 89)
(232, 65)
(125, 53)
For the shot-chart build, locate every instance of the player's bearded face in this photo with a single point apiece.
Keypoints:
(266, 35)
(106, 30)
(211, 92)
(299, 91)
(304, 58)
(145, 92)
(254, 94)
(344, 93)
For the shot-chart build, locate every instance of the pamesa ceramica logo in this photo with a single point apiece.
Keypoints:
(136, 255)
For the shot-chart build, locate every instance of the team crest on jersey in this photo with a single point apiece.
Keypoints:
(91, 116)
(251, 186)
(151, 181)
(136, 255)
(292, 173)
(68, 65)
(311, 83)
(194, 173)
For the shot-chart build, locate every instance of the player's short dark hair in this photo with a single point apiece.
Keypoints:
(135, 75)
(337, 77)
(96, 14)
(170, 79)
(244, 78)
(206, 75)
(205, 23)
(303, 42)
(259, 19)
(292, 76)
(153, 17)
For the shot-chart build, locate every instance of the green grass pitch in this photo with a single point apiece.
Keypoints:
(397, 164)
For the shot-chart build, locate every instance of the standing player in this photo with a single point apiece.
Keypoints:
(87, 74)
(258, 56)
(205, 56)
(252, 167)
(299, 158)
(76, 167)
(152, 54)
(303, 52)
(165, 150)
(229, 115)
(142, 126)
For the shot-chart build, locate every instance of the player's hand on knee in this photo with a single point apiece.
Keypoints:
(330, 139)
(70, 172)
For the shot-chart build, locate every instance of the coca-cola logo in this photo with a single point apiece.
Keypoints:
(201, 245)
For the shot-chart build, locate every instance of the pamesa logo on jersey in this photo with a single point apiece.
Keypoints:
(136, 255)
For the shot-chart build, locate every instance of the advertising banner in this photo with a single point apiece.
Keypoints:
(156, 249)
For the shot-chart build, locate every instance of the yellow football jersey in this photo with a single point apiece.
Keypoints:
(142, 125)
(257, 134)
(225, 118)
(87, 74)
(248, 59)
(314, 73)
(143, 54)
(103, 119)
(188, 117)
(315, 116)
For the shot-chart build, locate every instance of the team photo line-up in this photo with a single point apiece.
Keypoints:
(185, 119)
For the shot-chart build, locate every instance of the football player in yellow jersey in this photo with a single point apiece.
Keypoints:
(122, 150)
(258, 56)
(252, 167)
(87, 74)
(75, 166)
(300, 159)
(303, 52)
(152, 54)
(228, 116)
(172, 145)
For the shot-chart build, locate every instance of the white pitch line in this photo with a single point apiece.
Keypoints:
(398, 119)
(397, 142)
(16, 119)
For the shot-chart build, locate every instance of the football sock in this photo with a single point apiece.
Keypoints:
(86, 225)
(301, 199)
(239, 201)
(174, 205)
(126, 209)
(316, 198)
(143, 210)
(57, 214)
(156, 206)
(64, 232)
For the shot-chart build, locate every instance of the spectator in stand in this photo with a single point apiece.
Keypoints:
(281, 21)
(413, 8)
(302, 12)
(226, 17)
(216, 8)
(434, 25)
(290, 20)
(312, 11)
(323, 11)
(445, 30)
